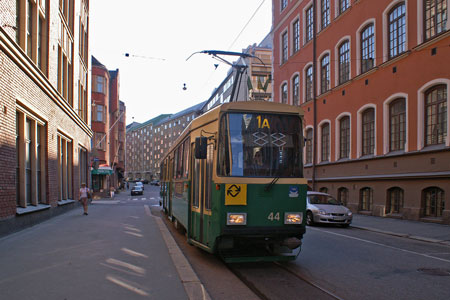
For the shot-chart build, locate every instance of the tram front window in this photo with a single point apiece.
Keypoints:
(260, 145)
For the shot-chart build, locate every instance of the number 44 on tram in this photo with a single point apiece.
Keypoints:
(234, 181)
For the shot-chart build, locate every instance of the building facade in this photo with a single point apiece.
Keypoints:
(45, 110)
(373, 79)
(147, 142)
(108, 125)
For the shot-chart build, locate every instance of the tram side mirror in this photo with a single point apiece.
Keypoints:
(200, 147)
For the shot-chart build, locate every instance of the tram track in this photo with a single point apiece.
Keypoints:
(272, 281)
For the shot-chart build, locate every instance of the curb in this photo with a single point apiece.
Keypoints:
(404, 235)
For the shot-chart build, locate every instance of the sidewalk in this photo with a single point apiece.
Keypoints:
(428, 232)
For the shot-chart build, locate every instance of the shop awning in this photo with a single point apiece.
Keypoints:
(102, 171)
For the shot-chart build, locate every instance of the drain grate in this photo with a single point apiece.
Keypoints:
(435, 272)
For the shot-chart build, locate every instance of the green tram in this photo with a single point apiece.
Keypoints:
(234, 181)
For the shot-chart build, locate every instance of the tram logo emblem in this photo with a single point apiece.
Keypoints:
(293, 192)
(235, 194)
(234, 190)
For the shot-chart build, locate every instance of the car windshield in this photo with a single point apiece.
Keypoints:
(137, 188)
(260, 145)
(322, 199)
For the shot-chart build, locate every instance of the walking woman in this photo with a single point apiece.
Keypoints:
(84, 194)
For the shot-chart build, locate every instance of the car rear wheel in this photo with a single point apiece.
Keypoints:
(309, 218)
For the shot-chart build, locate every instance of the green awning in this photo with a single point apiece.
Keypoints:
(102, 171)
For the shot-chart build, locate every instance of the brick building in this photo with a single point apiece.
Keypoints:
(373, 79)
(44, 105)
(147, 142)
(108, 124)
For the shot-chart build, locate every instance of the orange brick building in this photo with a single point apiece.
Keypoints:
(373, 78)
(108, 124)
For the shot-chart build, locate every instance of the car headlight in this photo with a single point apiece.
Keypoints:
(322, 212)
(293, 218)
(236, 218)
(349, 213)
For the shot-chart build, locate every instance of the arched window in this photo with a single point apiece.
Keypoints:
(343, 196)
(397, 30)
(368, 131)
(367, 48)
(365, 199)
(325, 13)
(344, 137)
(309, 83)
(325, 151)
(296, 90)
(325, 74)
(343, 5)
(284, 93)
(344, 62)
(433, 202)
(394, 201)
(309, 146)
(436, 115)
(435, 17)
(397, 125)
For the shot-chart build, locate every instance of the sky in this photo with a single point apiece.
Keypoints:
(160, 36)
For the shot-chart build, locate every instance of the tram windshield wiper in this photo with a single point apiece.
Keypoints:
(268, 187)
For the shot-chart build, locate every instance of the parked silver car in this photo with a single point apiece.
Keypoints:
(323, 208)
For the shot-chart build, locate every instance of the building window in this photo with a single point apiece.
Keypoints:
(309, 24)
(296, 36)
(99, 113)
(343, 196)
(344, 62)
(325, 74)
(325, 153)
(100, 141)
(284, 3)
(309, 83)
(367, 48)
(31, 31)
(296, 90)
(284, 47)
(99, 84)
(30, 163)
(435, 17)
(309, 146)
(433, 202)
(436, 115)
(343, 5)
(365, 199)
(368, 131)
(397, 30)
(394, 200)
(397, 125)
(284, 93)
(325, 13)
(344, 137)
(83, 165)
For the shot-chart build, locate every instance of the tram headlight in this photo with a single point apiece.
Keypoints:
(293, 218)
(236, 218)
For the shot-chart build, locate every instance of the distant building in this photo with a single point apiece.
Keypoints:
(108, 124)
(147, 142)
(45, 109)
(373, 79)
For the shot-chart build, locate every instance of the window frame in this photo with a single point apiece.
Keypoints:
(344, 137)
(397, 137)
(433, 15)
(400, 35)
(368, 131)
(367, 44)
(428, 137)
(344, 57)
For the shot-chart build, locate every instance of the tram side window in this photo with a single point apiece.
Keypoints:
(223, 161)
(175, 163)
(186, 158)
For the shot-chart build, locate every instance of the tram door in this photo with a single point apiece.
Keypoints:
(201, 196)
(169, 186)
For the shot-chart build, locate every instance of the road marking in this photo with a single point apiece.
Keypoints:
(382, 245)
(105, 201)
(127, 286)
